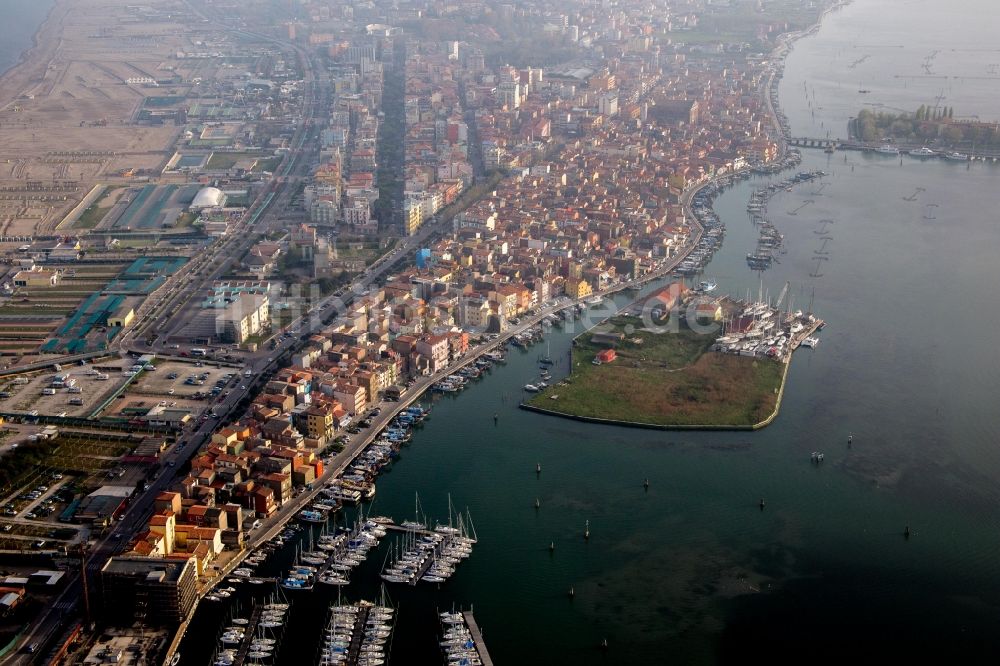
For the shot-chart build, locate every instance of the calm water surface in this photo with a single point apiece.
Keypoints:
(691, 571)
(21, 19)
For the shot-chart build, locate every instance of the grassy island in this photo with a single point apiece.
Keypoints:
(663, 380)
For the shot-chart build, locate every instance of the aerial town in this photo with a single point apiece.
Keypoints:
(242, 239)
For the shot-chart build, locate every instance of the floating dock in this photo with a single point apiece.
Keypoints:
(354, 651)
(251, 631)
(477, 638)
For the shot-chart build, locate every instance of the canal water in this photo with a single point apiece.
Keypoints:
(692, 570)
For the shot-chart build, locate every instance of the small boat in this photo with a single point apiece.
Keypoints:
(923, 151)
(531, 388)
(707, 286)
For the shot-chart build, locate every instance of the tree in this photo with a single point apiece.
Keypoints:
(953, 134)
(921, 111)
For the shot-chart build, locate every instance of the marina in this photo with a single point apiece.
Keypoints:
(462, 640)
(770, 241)
(357, 634)
(253, 640)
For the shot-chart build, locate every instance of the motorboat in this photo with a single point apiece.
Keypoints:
(887, 149)
(707, 286)
(810, 342)
(923, 151)
(957, 157)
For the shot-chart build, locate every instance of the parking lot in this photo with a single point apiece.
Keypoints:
(175, 380)
(180, 384)
(73, 391)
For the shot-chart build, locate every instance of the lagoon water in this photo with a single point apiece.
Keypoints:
(691, 570)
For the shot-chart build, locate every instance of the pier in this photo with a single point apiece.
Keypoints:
(477, 638)
(354, 651)
(797, 339)
(251, 631)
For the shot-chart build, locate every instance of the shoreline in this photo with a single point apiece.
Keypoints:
(781, 50)
(24, 63)
(25, 53)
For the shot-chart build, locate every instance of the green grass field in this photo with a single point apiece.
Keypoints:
(669, 379)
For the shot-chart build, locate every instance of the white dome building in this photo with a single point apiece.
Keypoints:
(208, 197)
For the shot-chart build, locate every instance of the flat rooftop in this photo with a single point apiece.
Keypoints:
(149, 568)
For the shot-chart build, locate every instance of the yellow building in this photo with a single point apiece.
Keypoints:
(578, 288)
(412, 217)
(122, 318)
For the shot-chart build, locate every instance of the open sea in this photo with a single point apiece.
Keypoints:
(691, 571)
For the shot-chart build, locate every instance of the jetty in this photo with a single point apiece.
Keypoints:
(463, 640)
(354, 650)
(477, 638)
(251, 631)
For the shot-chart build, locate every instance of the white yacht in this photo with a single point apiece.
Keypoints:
(923, 151)
(810, 342)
